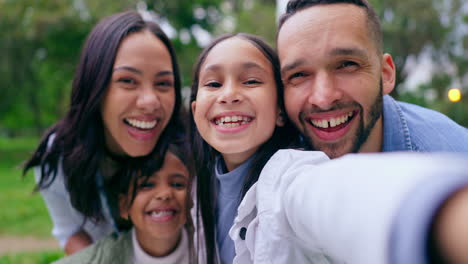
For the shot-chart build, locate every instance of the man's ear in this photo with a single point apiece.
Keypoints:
(388, 73)
(194, 105)
(123, 207)
(280, 119)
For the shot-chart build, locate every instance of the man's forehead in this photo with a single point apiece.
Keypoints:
(313, 19)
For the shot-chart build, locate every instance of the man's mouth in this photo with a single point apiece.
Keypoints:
(333, 123)
(142, 125)
(232, 121)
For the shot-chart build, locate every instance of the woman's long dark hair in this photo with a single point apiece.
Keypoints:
(79, 136)
(205, 155)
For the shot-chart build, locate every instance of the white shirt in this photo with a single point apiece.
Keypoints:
(179, 255)
(306, 209)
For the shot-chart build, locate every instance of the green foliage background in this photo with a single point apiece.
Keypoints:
(41, 42)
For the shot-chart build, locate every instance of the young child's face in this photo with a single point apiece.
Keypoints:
(236, 105)
(159, 210)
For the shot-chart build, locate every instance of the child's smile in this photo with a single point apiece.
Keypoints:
(236, 107)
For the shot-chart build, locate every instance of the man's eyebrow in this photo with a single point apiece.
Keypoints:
(127, 68)
(292, 65)
(349, 51)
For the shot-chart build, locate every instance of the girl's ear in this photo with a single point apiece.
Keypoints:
(280, 119)
(123, 207)
(194, 105)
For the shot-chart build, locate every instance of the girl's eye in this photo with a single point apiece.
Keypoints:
(213, 84)
(347, 65)
(146, 185)
(178, 185)
(252, 82)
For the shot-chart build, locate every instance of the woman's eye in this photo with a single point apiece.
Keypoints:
(164, 83)
(126, 80)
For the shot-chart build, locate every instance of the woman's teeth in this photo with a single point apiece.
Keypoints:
(141, 124)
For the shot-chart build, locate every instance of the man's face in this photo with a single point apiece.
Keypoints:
(334, 78)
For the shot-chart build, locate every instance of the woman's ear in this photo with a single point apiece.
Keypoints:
(123, 207)
(280, 119)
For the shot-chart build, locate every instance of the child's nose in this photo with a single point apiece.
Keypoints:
(163, 193)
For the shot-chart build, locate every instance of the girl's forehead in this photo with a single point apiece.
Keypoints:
(235, 50)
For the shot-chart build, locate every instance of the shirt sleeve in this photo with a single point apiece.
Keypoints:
(65, 219)
(348, 207)
(410, 233)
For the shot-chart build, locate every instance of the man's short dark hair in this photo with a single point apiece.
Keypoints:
(373, 20)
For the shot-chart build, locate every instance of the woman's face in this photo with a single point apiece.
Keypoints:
(236, 106)
(140, 98)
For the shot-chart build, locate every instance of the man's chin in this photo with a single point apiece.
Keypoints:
(333, 150)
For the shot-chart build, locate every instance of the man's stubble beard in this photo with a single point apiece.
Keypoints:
(362, 133)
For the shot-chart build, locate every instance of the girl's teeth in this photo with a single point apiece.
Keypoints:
(161, 213)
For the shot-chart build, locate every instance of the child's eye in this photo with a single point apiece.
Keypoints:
(213, 84)
(252, 82)
(178, 185)
(146, 185)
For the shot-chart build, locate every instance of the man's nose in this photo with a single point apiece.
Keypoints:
(324, 92)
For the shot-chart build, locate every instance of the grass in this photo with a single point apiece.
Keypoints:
(23, 212)
(45, 257)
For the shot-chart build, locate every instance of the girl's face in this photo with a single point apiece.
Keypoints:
(236, 107)
(159, 210)
(140, 98)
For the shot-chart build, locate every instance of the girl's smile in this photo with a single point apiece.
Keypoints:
(236, 108)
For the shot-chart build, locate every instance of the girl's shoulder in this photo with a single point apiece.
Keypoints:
(110, 249)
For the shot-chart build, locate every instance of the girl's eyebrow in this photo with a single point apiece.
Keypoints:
(247, 65)
(179, 175)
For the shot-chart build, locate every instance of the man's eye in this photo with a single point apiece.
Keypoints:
(296, 75)
(346, 64)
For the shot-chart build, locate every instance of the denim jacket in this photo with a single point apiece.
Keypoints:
(409, 127)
